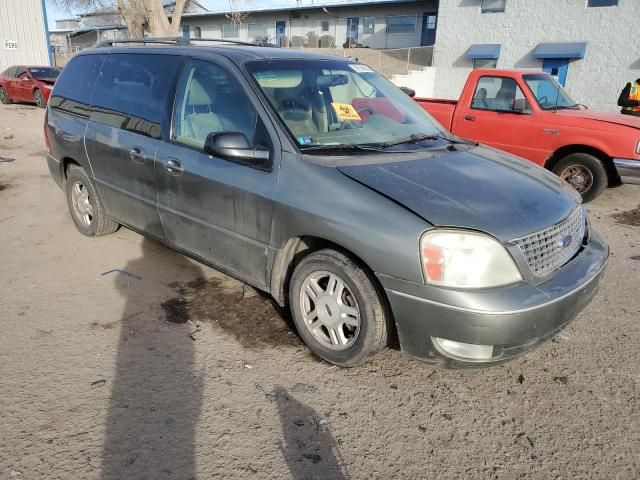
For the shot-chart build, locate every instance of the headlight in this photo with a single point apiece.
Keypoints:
(638, 148)
(462, 259)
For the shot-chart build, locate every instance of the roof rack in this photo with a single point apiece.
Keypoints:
(171, 41)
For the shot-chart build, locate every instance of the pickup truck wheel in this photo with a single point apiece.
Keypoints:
(85, 205)
(4, 97)
(584, 172)
(337, 309)
(39, 99)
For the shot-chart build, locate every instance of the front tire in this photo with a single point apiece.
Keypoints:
(39, 99)
(85, 205)
(4, 97)
(337, 309)
(585, 173)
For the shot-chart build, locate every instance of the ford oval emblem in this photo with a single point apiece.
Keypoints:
(565, 241)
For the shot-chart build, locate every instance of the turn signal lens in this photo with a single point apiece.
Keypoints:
(461, 259)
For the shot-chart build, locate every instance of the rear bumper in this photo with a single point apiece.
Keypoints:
(512, 319)
(55, 169)
(628, 170)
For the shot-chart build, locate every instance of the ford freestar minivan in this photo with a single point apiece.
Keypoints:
(313, 178)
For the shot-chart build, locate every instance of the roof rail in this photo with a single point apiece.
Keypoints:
(171, 41)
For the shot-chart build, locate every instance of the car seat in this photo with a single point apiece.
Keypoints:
(295, 110)
(199, 119)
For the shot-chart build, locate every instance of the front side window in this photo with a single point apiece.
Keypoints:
(335, 102)
(209, 100)
(133, 92)
(549, 94)
(44, 72)
(493, 6)
(401, 24)
(498, 94)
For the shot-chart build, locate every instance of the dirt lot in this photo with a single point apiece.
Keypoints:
(122, 359)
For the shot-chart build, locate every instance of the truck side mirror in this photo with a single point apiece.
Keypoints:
(409, 91)
(519, 105)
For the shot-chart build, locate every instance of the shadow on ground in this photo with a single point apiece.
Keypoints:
(308, 447)
(156, 392)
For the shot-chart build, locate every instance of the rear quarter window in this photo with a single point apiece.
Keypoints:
(135, 92)
(74, 88)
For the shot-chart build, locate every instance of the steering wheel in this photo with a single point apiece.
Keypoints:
(365, 108)
(349, 124)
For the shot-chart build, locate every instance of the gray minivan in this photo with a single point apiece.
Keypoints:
(316, 180)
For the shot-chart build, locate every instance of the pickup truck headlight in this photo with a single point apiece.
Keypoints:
(638, 148)
(462, 259)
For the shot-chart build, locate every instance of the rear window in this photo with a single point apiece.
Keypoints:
(134, 92)
(74, 88)
(43, 72)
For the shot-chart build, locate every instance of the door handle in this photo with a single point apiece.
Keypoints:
(137, 155)
(470, 118)
(173, 167)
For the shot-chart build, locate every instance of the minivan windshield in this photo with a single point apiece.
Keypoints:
(549, 94)
(326, 103)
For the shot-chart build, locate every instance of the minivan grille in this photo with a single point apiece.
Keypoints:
(549, 249)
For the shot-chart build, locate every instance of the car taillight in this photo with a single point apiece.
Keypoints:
(46, 138)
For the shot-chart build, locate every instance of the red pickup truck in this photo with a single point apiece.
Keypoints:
(528, 113)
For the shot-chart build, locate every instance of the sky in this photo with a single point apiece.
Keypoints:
(55, 13)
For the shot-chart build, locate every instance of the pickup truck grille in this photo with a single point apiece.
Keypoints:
(549, 249)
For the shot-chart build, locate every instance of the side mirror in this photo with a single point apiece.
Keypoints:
(408, 91)
(519, 105)
(234, 146)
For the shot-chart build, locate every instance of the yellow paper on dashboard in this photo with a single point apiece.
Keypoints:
(345, 111)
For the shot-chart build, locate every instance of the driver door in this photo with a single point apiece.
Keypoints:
(491, 118)
(215, 208)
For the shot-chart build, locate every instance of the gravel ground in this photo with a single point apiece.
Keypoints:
(168, 371)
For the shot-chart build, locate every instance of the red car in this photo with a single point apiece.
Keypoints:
(528, 113)
(23, 83)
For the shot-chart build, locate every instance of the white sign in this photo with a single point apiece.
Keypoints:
(11, 45)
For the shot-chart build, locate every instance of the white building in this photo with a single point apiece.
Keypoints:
(592, 46)
(23, 33)
(374, 23)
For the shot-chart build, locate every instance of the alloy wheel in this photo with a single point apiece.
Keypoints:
(81, 202)
(330, 311)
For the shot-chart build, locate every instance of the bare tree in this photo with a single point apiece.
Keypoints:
(138, 14)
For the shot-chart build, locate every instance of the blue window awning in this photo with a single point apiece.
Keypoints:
(560, 50)
(488, 51)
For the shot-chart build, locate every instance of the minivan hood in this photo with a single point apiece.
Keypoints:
(481, 189)
(612, 118)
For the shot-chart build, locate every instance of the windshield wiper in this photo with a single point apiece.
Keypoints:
(341, 147)
(414, 138)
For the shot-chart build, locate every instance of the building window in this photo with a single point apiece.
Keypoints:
(602, 3)
(229, 30)
(485, 63)
(401, 24)
(368, 25)
(324, 25)
(493, 6)
(197, 32)
(258, 30)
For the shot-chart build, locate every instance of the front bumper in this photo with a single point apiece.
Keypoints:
(512, 319)
(628, 170)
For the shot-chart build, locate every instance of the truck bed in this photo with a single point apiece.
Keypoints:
(441, 109)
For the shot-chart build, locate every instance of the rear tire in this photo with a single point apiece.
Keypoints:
(337, 309)
(585, 173)
(4, 97)
(85, 205)
(39, 99)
